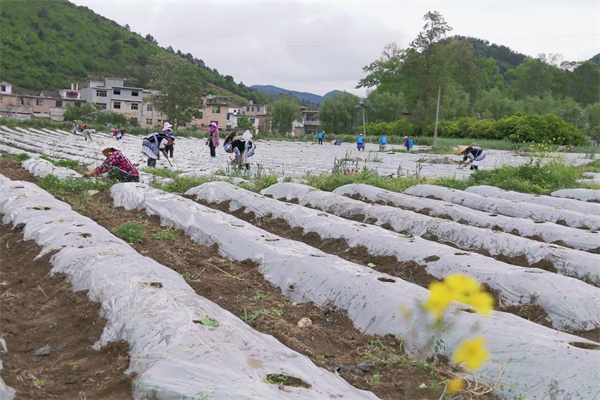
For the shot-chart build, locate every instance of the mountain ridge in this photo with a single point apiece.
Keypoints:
(276, 92)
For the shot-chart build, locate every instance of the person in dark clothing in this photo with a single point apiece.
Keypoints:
(473, 155)
(151, 145)
(242, 148)
(116, 165)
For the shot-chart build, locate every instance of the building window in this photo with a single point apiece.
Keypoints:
(248, 109)
(78, 104)
(148, 121)
(102, 106)
(58, 103)
(117, 91)
(117, 105)
(134, 106)
(216, 110)
(19, 100)
(71, 95)
(135, 93)
(149, 107)
(39, 102)
(101, 93)
(3, 88)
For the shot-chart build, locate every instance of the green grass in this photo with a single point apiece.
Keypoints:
(19, 158)
(131, 232)
(69, 186)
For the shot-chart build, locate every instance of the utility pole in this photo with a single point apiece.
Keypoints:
(362, 105)
(437, 114)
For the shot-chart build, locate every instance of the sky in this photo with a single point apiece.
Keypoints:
(320, 46)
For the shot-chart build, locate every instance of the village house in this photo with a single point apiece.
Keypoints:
(48, 104)
(137, 105)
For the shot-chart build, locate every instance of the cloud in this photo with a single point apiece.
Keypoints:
(319, 46)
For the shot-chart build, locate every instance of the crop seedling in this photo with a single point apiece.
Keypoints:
(131, 232)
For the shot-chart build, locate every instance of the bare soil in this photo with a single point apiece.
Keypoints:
(38, 311)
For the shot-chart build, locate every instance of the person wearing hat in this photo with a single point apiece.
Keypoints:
(168, 146)
(116, 165)
(213, 138)
(151, 144)
(360, 142)
(408, 143)
(241, 147)
(473, 155)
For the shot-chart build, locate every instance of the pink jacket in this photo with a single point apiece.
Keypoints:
(215, 138)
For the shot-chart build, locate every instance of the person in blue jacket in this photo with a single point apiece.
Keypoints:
(382, 142)
(360, 142)
(320, 136)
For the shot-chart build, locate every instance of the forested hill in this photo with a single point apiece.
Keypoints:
(49, 44)
(308, 99)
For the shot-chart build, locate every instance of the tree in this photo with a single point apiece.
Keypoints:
(338, 113)
(243, 122)
(427, 60)
(179, 86)
(383, 74)
(283, 113)
(384, 107)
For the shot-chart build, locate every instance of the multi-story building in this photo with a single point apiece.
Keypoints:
(310, 121)
(48, 104)
(133, 102)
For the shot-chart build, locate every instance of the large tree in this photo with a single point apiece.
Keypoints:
(283, 113)
(339, 114)
(179, 86)
(384, 74)
(427, 61)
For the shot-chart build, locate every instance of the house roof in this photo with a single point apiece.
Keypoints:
(50, 93)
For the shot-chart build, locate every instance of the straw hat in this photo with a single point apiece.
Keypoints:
(107, 144)
(461, 149)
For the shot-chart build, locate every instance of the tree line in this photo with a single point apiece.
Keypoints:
(541, 98)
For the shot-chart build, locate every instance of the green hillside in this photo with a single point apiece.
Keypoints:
(49, 44)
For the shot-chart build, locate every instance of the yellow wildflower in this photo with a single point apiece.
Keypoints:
(455, 385)
(483, 302)
(463, 287)
(439, 299)
(472, 353)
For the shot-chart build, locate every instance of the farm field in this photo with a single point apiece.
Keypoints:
(245, 264)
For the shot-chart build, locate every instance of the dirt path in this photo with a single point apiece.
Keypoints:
(52, 315)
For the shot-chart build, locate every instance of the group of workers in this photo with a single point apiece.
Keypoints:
(119, 167)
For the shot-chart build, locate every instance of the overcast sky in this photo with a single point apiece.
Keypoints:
(320, 46)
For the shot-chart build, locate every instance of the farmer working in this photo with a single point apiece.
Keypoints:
(151, 144)
(473, 155)
(116, 165)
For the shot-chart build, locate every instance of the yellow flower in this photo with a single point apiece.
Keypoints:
(439, 299)
(472, 353)
(483, 302)
(463, 287)
(455, 385)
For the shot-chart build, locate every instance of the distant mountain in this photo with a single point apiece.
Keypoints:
(274, 92)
